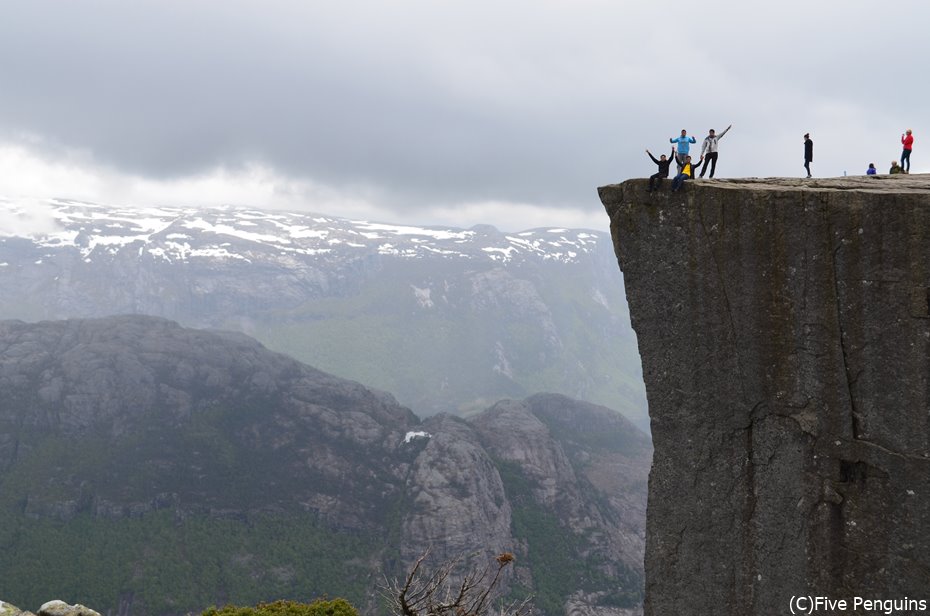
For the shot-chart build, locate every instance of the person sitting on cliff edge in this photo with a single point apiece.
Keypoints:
(687, 173)
(655, 180)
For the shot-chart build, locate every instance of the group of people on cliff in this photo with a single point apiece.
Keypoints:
(907, 141)
(686, 167)
(681, 154)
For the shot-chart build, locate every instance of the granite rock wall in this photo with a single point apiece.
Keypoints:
(784, 330)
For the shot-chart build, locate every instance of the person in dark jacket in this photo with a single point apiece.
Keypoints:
(655, 180)
(687, 173)
(808, 152)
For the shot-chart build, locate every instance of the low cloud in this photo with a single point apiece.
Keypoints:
(33, 178)
(432, 110)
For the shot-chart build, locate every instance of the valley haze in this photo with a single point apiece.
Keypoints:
(446, 319)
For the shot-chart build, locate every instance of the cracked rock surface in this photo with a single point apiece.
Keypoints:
(784, 329)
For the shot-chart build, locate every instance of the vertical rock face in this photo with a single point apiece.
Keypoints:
(784, 329)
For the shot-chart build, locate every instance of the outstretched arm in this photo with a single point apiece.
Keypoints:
(692, 139)
(720, 136)
(652, 157)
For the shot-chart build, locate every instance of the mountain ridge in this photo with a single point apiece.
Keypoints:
(448, 320)
(172, 468)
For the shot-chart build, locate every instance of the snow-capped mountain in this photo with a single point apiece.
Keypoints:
(187, 234)
(446, 319)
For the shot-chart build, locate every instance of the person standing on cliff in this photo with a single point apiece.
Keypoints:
(907, 140)
(808, 152)
(655, 180)
(684, 146)
(709, 150)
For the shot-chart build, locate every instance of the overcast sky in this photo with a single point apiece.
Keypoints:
(507, 112)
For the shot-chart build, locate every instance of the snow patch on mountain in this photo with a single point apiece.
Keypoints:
(423, 297)
(231, 233)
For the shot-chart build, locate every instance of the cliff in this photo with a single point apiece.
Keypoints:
(784, 329)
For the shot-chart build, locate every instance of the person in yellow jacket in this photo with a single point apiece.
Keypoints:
(687, 173)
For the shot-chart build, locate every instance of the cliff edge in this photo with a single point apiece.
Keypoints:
(784, 329)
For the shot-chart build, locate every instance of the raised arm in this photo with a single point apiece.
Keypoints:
(652, 157)
(720, 136)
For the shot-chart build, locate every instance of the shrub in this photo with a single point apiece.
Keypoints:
(320, 607)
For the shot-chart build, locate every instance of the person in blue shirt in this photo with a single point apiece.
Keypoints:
(871, 170)
(683, 146)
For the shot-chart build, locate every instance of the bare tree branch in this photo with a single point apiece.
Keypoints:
(436, 594)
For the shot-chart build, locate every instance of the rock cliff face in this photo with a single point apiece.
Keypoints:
(784, 329)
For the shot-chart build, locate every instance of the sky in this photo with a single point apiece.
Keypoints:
(442, 112)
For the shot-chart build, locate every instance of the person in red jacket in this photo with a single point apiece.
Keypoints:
(907, 140)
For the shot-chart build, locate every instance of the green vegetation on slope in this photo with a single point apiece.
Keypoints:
(176, 565)
(320, 607)
(560, 559)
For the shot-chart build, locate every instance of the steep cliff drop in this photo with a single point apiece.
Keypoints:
(784, 329)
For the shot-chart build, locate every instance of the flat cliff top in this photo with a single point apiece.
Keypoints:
(900, 183)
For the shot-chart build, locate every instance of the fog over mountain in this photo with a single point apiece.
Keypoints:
(446, 319)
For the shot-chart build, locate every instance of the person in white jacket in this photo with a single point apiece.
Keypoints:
(709, 150)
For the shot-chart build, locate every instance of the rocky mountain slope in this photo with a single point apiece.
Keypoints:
(146, 468)
(448, 320)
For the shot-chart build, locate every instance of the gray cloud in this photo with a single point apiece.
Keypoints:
(438, 103)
